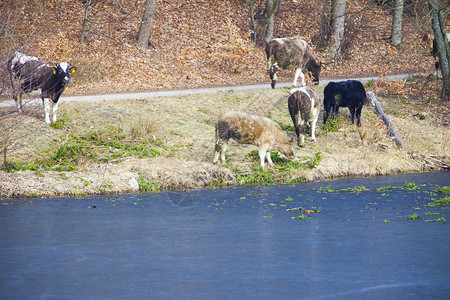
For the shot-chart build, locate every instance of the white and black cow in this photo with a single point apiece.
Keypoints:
(291, 53)
(350, 93)
(304, 107)
(29, 74)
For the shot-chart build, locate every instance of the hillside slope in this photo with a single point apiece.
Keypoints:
(193, 40)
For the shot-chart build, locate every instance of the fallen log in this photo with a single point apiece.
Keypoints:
(391, 129)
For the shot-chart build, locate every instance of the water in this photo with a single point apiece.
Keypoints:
(232, 244)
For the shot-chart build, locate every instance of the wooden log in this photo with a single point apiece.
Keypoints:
(391, 129)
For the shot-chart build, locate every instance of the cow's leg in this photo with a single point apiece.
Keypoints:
(273, 76)
(54, 110)
(301, 141)
(298, 72)
(46, 103)
(358, 116)
(352, 113)
(325, 115)
(269, 158)
(294, 117)
(313, 130)
(217, 149)
(219, 152)
(263, 154)
(335, 111)
(14, 94)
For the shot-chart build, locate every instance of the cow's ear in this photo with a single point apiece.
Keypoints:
(72, 69)
(54, 70)
(320, 64)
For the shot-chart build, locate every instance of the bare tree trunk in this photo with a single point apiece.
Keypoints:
(438, 24)
(337, 26)
(60, 10)
(145, 30)
(270, 9)
(324, 29)
(391, 129)
(397, 21)
(86, 13)
(264, 32)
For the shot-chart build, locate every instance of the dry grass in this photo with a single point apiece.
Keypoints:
(181, 130)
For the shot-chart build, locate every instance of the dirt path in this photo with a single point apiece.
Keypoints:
(184, 92)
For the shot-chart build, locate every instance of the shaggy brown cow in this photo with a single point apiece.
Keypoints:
(291, 53)
(304, 107)
(30, 74)
(254, 130)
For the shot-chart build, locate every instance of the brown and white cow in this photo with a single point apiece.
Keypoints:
(291, 53)
(304, 107)
(254, 130)
(28, 74)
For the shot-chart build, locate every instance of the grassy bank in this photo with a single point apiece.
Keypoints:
(168, 143)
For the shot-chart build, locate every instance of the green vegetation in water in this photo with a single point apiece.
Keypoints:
(414, 217)
(410, 186)
(441, 219)
(442, 190)
(355, 190)
(384, 188)
(301, 217)
(442, 202)
(431, 213)
(296, 209)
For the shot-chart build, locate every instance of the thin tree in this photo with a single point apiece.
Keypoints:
(145, 30)
(442, 46)
(397, 20)
(337, 26)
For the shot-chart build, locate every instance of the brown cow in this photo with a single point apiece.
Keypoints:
(291, 53)
(254, 130)
(304, 107)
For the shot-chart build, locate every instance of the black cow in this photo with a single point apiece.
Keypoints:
(350, 93)
(291, 53)
(28, 74)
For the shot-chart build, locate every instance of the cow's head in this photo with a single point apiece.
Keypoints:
(62, 71)
(287, 148)
(314, 72)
